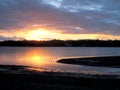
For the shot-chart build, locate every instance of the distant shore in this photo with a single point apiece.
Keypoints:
(61, 43)
(110, 61)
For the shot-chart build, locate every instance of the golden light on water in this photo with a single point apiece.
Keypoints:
(36, 58)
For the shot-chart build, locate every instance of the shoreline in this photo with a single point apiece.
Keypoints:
(104, 61)
(20, 77)
(17, 77)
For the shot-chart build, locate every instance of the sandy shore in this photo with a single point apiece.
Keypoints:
(20, 78)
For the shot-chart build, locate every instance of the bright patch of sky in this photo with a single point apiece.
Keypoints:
(56, 3)
(73, 8)
(94, 7)
(83, 7)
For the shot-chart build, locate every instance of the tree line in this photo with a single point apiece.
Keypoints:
(62, 43)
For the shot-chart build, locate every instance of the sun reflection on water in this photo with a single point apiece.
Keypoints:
(37, 58)
(29, 57)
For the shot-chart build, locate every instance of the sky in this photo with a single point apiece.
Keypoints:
(59, 19)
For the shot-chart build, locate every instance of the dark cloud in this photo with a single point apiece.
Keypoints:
(69, 16)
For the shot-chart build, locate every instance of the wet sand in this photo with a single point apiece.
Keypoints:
(20, 78)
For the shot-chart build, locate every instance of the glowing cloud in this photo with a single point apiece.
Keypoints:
(38, 19)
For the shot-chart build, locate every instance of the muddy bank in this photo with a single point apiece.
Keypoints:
(23, 79)
(112, 61)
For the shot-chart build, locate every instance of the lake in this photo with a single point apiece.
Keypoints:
(44, 58)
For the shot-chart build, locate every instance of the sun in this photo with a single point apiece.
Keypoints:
(37, 35)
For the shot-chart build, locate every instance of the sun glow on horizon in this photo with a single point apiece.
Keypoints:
(37, 34)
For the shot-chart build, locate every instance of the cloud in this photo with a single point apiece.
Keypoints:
(7, 38)
(67, 16)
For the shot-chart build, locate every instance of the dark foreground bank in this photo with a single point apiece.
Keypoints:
(111, 61)
(19, 78)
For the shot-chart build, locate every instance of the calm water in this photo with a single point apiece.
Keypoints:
(45, 58)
